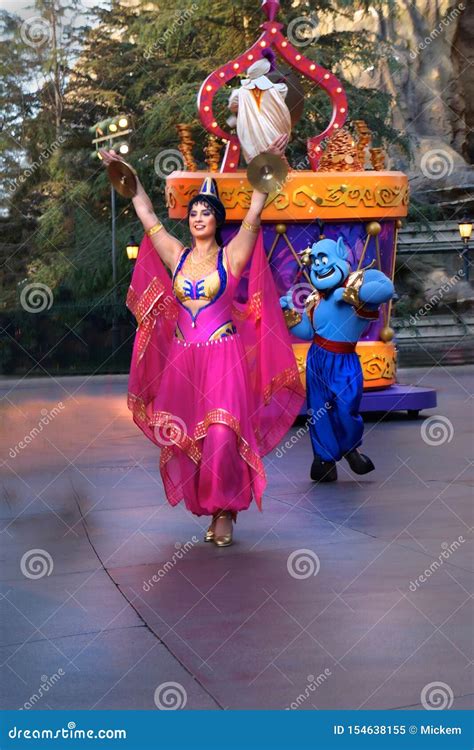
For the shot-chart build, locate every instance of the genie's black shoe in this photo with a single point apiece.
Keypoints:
(359, 463)
(323, 471)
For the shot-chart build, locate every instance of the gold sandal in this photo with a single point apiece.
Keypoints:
(209, 535)
(224, 540)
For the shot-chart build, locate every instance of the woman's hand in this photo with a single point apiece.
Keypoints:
(109, 156)
(278, 147)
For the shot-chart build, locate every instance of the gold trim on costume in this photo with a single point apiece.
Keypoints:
(253, 307)
(226, 329)
(151, 299)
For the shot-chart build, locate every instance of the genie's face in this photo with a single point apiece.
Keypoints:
(329, 264)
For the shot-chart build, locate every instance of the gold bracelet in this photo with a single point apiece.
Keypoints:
(251, 227)
(154, 229)
(292, 317)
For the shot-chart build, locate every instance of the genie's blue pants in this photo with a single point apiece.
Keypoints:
(334, 390)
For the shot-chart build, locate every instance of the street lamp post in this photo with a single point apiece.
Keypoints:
(109, 133)
(465, 231)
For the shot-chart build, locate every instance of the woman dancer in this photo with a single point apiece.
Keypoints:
(213, 381)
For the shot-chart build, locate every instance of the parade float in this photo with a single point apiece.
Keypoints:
(342, 190)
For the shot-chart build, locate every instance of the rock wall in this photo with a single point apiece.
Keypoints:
(432, 42)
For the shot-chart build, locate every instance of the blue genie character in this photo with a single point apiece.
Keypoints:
(335, 315)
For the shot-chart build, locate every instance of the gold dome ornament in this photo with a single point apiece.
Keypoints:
(387, 334)
(373, 228)
(305, 256)
(280, 228)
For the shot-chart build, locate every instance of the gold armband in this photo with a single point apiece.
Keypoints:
(292, 318)
(251, 227)
(154, 229)
(353, 285)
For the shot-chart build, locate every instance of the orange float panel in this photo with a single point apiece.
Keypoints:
(354, 196)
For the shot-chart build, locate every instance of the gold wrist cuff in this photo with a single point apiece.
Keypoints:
(292, 318)
(251, 227)
(154, 229)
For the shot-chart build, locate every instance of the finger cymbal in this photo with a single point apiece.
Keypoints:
(123, 178)
(267, 172)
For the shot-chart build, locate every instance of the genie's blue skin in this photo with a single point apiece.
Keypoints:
(333, 318)
(334, 380)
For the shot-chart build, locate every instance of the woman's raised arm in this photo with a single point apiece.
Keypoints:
(241, 246)
(167, 246)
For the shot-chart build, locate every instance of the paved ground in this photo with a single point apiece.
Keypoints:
(318, 604)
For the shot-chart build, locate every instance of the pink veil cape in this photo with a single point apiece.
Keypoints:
(277, 391)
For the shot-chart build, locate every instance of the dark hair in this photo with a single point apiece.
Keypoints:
(215, 206)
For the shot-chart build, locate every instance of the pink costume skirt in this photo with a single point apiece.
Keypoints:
(209, 452)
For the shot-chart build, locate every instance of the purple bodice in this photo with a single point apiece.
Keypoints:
(213, 321)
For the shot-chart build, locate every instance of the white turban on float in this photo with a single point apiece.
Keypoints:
(262, 114)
